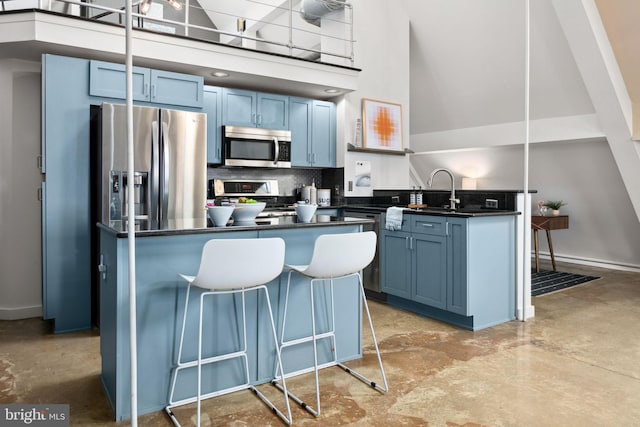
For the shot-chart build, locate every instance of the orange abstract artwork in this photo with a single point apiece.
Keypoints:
(382, 125)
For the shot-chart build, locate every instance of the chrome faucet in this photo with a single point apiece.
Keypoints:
(452, 199)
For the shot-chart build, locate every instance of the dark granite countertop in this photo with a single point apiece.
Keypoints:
(284, 222)
(463, 212)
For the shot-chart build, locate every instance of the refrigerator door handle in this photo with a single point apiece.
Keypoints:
(276, 155)
(155, 184)
(166, 176)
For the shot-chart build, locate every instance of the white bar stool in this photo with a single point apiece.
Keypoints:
(223, 270)
(335, 256)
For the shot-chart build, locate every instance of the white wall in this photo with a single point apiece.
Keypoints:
(467, 85)
(382, 52)
(602, 224)
(20, 178)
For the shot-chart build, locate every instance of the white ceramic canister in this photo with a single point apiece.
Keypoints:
(324, 197)
(305, 194)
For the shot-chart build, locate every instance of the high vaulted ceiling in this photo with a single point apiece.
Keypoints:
(620, 19)
(480, 55)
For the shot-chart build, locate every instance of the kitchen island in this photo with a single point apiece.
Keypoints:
(160, 256)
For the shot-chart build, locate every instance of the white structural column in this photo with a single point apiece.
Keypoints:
(582, 25)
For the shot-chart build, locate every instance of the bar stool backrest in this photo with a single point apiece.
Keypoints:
(240, 263)
(336, 255)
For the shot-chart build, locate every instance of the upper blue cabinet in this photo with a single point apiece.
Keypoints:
(161, 87)
(254, 109)
(213, 108)
(313, 133)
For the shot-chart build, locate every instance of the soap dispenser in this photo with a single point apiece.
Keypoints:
(412, 196)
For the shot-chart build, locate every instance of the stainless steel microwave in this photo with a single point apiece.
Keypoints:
(256, 147)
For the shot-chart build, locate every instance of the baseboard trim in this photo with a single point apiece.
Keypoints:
(20, 313)
(612, 265)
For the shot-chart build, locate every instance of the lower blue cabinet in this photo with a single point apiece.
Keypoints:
(396, 264)
(457, 269)
(430, 270)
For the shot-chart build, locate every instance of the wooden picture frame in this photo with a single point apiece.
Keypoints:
(382, 126)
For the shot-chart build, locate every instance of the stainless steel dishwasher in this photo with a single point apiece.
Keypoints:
(371, 274)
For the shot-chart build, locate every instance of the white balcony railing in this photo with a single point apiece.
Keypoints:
(315, 30)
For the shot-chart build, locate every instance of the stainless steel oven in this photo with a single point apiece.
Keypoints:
(256, 147)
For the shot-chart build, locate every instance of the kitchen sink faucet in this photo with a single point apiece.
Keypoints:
(452, 199)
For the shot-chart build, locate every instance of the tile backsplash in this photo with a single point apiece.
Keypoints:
(289, 180)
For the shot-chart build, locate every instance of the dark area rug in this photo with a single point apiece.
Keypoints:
(545, 281)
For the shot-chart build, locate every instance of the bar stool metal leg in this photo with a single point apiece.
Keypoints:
(217, 276)
(315, 337)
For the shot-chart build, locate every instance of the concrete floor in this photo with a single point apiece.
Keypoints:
(576, 364)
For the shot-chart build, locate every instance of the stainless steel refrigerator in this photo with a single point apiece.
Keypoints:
(170, 163)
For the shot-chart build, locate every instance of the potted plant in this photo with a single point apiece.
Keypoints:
(554, 205)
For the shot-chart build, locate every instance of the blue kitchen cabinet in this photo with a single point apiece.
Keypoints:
(395, 258)
(300, 126)
(459, 270)
(254, 109)
(161, 87)
(108, 80)
(66, 221)
(457, 267)
(176, 89)
(414, 262)
(313, 132)
(66, 227)
(429, 245)
(323, 134)
(212, 106)
(429, 269)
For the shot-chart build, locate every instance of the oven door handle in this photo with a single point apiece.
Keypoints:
(276, 145)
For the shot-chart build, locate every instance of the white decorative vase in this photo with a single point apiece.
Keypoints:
(555, 212)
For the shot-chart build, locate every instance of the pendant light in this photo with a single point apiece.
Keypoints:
(145, 5)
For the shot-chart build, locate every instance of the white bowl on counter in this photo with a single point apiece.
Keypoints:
(247, 212)
(219, 215)
(305, 211)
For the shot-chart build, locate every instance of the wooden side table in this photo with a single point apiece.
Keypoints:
(547, 223)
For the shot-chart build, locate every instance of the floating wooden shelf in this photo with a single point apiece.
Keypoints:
(351, 147)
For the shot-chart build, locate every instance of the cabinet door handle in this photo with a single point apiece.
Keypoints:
(427, 225)
(408, 243)
(259, 119)
(153, 91)
(446, 230)
(253, 119)
(146, 89)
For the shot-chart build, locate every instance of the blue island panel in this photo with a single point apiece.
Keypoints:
(160, 301)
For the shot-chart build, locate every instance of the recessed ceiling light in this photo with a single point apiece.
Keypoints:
(332, 90)
(219, 74)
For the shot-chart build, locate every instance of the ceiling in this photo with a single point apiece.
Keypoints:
(468, 69)
(620, 19)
